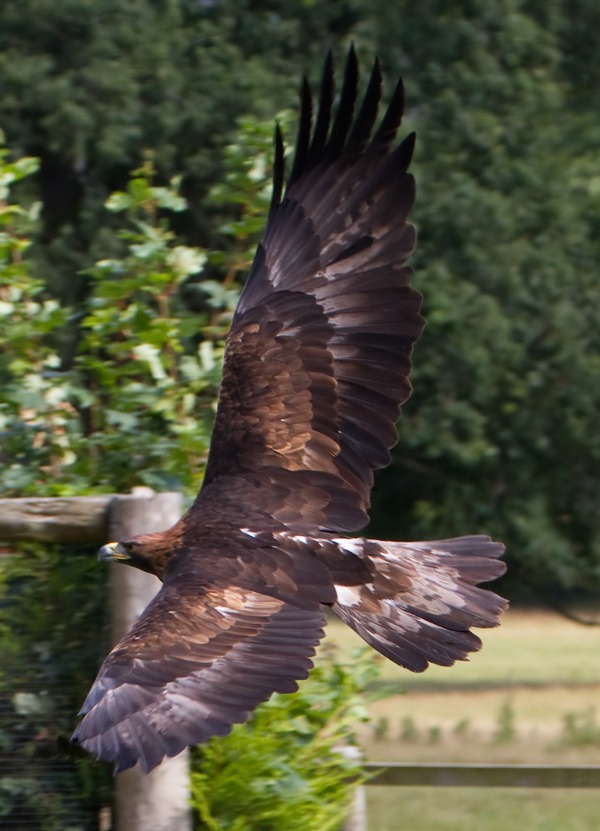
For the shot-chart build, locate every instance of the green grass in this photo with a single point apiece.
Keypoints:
(529, 648)
(532, 695)
(481, 809)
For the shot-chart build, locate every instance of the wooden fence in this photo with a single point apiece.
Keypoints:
(485, 776)
(160, 801)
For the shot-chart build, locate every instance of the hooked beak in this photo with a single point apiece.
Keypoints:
(113, 552)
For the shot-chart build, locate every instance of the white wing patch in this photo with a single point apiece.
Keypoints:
(249, 533)
(354, 546)
(348, 595)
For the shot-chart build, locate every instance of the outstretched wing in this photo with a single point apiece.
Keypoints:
(197, 661)
(318, 355)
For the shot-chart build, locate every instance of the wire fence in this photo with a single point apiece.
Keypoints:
(39, 790)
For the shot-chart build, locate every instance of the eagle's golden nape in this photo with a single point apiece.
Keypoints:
(316, 370)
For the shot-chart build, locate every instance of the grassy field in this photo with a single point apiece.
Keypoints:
(482, 809)
(530, 696)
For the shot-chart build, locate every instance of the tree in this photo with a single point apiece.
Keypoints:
(500, 433)
(88, 87)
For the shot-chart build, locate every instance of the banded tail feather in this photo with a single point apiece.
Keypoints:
(424, 598)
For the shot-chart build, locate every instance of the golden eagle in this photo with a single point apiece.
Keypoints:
(316, 369)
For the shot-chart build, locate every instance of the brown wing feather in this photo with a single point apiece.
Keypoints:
(198, 661)
(318, 356)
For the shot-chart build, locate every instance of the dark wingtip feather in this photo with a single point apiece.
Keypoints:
(343, 133)
(324, 113)
(391, 120)
(402, 155)
(304, 128)
(368, 112)
(345, 110)
(278, 169)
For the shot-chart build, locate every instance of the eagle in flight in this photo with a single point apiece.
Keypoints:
(316, 368)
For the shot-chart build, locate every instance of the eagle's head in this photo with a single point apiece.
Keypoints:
(148, 552)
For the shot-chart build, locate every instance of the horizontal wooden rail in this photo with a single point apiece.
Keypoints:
(488, 776)
(75, 519)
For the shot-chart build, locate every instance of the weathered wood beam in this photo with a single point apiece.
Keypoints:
(488, 776)
(75, 519)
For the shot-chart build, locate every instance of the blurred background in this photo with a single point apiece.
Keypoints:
(134, 184)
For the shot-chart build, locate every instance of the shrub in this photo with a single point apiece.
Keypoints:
(286, 767)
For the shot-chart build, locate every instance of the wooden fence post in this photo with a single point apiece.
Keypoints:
(357, 815)
(158, 801)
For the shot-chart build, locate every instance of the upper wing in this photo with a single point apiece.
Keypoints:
(318, 355)
(197, 661)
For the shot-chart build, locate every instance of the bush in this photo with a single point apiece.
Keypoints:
(285, 768)
(134, 405)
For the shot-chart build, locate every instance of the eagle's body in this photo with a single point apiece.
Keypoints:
(316, 369)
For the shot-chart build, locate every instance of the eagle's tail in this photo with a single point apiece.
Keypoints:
(423, 598)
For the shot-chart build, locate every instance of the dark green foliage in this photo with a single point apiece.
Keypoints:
(30, 418)
(88, 86)
(143, 366)
(285, 768)
(500, 434)
(50, 645)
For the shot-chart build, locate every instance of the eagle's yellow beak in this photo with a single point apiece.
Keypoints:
(113, 552)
